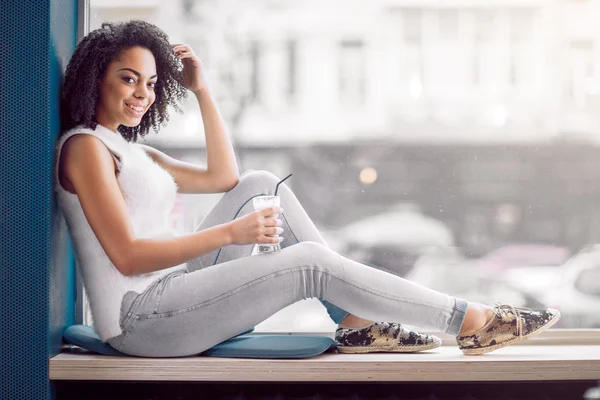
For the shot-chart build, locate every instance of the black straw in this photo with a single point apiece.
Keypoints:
(280, 182)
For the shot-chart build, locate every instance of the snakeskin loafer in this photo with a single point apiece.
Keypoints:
(383, 337)
(509, 325)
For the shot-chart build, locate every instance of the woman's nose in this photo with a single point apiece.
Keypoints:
(141, 92)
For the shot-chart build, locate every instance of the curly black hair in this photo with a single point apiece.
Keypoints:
(80, 92)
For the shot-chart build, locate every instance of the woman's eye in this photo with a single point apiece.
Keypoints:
(127, 79)
(152, 84)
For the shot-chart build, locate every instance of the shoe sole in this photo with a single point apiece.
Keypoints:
(381, 349)
(517, 339)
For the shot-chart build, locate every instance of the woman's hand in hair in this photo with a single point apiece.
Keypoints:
(261, 226)
(193, 74)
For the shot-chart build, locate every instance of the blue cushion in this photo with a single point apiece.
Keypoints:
(267, 346)
(272, 346)
(86, 337)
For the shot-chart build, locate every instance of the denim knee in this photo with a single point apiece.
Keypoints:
(320, 251)
(313, 252)
(260, 179)
(317, 253)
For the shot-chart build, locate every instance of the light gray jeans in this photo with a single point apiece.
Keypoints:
(228, 291)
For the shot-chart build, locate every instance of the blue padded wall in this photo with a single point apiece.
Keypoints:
(36, 274)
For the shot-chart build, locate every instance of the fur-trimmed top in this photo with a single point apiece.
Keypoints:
(149, 192)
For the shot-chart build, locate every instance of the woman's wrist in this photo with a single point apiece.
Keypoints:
(200, 92)
(227, 233)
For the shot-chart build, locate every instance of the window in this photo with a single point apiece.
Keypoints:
(581, 82)
(292, 63)
(411, 58)
(412, 26)
(448, 25)
(444, 57)
(521, 22)
(484, 54)
(255, 82)
(500, 202)
(485, 24)
(352, 73)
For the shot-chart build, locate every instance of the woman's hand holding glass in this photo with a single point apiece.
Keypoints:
(258, 227)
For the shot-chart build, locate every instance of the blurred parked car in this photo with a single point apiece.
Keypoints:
(523, 255)
(447, 271)
(577, 292)
(531, 268)
(395, 239)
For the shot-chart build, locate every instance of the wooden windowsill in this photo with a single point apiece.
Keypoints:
(444, 364)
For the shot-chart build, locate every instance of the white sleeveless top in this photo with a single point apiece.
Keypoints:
(149, 192)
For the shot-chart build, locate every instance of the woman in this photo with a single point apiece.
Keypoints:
(155, 294)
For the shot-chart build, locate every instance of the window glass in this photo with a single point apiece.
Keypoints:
(450, 144)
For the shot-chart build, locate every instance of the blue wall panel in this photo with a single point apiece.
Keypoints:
(37, 37)
(63, 38)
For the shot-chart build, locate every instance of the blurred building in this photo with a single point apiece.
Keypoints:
(494, 71)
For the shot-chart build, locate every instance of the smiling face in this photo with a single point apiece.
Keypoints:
(127, 89)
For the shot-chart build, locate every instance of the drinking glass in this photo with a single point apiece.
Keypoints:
(259, 203)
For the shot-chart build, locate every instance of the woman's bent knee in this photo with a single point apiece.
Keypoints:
(261, 179)
(313, 253)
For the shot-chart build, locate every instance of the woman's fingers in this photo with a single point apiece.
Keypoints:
(272, 231)
(182, 56)
(270, 221)
(270, 211)
(183, 51)
(181, 48)
(270, 239)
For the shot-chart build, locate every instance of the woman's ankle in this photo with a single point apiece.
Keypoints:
(476, 317)
(354, 322)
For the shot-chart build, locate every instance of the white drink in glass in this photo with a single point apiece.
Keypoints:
(259, 203)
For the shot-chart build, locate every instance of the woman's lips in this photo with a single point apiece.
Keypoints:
(133, 112)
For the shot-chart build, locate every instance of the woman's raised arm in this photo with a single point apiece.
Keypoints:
(220, 156)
